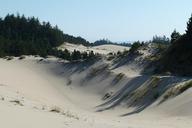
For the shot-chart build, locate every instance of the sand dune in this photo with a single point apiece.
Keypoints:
(102, 49)
(52, 93)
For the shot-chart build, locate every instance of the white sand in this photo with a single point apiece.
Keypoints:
(101, 49)
(29, 89)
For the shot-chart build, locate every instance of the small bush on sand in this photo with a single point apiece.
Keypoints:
(135, 46)
(55, 109)
(17, 102)
(9, 57)
(21, 57)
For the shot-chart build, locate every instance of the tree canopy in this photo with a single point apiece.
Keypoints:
(175, 35)
(178, 57)
(189, 27)
(28, 36)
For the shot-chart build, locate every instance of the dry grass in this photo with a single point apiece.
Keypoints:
(96, 71)
(176, 90)
(17, 102)
(148, 88)
(153, 58)
(119, 77)
(186, 86)
(107, 95)
(55, 109)
(154, 81)
(70, 115)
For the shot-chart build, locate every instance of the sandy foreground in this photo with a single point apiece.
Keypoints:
(34, 94)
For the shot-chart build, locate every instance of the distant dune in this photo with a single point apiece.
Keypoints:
(101, 49)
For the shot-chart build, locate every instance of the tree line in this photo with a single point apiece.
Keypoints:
(106, 41)
(75, 55)
(178, 57)
(20, 35)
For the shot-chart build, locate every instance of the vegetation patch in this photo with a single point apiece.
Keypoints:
(176, 90)
(9, 57)
(111, 56)
(107, 95)
(155, 81)
(147, 89)
(139, 94)
(55, 109)
(186, 86)
(21, 57)
(118, 78)
(20, 35)
(153, 58)
(17, 102)
(135, 46)
(98, 70)
(177, 59)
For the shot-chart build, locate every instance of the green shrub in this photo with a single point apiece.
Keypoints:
(21, 57)
(134, 47)
(9, 58)
(186, 86)
(176, 90)
(55, 109)
(154, 81)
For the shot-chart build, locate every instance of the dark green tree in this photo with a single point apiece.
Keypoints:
(135, 46)
(76, 55)
(189, 27)
(28, 36)
(160, 40)
(175, 35)
(84, 55)
(91, 55)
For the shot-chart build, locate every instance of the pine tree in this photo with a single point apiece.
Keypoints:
(189, 27)
(175, 35)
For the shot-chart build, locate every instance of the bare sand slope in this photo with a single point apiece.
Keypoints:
(53, 94)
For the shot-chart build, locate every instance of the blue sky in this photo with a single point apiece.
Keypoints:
(117, 20)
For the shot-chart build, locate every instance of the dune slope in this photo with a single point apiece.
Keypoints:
(50, 93)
